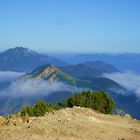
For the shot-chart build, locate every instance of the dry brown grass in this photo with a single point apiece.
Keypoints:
(74, 124)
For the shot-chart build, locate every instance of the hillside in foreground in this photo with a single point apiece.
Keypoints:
(72, 124)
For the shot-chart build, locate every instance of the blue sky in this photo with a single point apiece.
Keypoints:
(71, 25)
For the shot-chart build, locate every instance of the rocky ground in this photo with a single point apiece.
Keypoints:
(70, 124)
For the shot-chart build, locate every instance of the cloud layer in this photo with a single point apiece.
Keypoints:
(24, 88)
(9, 76)
(128, 80)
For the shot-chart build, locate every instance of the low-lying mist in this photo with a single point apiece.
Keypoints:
(27, 88)
(128, 80)
(6, 76)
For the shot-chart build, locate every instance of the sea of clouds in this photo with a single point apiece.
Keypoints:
(6, 76)
(25, 88)
(128, 80)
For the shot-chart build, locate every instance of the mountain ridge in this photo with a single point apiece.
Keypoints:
(23, 60)
(50, 73)
(81, 70)
(102, 66)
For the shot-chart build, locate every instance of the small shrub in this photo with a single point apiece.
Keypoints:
(58, 106)
(39, 109)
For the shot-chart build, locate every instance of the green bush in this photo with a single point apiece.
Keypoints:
(58, 106)
(39, 109)
(94, 100)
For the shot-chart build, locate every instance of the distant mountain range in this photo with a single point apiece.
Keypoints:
(81, 71)
(101, 66)
(23, 59)
(122, 61)
(89, 70)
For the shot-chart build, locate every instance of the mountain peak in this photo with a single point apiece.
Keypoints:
(20, 50)
(24, 59)
(50, 73)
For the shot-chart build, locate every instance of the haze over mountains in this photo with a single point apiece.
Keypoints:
(53, 80)
(122, 61)
(23, 59)
(89, 69)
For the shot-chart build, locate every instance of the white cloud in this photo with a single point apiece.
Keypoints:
(24, 88)
(9, 76)
(128, 80)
